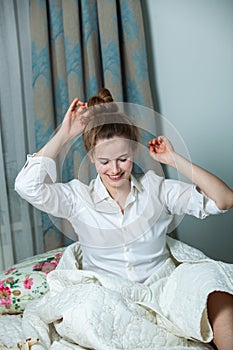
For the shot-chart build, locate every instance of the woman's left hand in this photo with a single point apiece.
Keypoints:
(161, 150)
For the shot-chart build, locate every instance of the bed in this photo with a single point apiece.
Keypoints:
(45, 300)
(20, 284)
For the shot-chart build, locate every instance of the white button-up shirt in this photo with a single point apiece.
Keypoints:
(131, 245)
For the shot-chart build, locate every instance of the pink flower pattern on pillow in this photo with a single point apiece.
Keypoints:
(28, 283)
(24, 282)
(48, 265)
(5, 295)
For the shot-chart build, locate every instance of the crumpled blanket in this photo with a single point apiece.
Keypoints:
(87, 310)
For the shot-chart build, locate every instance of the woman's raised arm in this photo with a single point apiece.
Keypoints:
(71, 127)
(162, 151)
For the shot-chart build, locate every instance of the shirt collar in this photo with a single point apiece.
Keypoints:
(136, 184)
(99, 192)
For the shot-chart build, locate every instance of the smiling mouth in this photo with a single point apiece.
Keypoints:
(115, 177)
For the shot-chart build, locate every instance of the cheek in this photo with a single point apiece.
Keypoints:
(100, 168)
(127, 166)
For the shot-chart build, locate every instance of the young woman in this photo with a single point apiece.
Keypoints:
(122, 230)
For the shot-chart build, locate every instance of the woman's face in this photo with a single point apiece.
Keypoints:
(113, 160)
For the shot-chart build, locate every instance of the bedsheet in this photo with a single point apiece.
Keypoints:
(86, 310)
(10, 331)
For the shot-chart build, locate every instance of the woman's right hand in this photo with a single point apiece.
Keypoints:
(72, 126)
(73, 122)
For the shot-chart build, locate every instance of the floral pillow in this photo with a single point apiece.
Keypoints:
(26, 281)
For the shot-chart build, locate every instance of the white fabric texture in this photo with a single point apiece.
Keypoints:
(10, 330)
(132, 245)
(84, 309)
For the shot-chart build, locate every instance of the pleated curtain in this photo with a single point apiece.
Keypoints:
(77, 48)
(20, 225)
(50, 52)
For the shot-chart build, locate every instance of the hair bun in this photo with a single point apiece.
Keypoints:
(103, 96)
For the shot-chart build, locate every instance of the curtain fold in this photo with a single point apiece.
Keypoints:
(20, 225)
(79, 46)
(50, 52)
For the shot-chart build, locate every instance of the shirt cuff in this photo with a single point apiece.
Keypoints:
(47, 164)
(205, 205)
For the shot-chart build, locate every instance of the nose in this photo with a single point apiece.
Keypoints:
(115, 167)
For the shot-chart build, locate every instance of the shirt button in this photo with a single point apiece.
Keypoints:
(124, 229)
(126, 249)
(129, 267)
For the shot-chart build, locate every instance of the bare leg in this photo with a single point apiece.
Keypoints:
(220, 312)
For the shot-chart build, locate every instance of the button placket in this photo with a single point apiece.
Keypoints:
(129, 267)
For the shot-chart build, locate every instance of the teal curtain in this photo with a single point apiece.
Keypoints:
(79, 46)
(20, 223)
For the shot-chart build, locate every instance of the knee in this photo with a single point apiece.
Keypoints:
(219, 303)
(220, 312)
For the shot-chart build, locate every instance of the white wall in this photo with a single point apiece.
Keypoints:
(190, 47)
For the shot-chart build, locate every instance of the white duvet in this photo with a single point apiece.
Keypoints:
(86, 310)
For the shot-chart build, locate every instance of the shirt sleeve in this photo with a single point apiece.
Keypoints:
(182, 198)
(36, 184)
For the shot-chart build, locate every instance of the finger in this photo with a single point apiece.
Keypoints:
(81, 103)
(152, 142)
(152, 149)
(81, 108)
(162, 139)
(73, 105)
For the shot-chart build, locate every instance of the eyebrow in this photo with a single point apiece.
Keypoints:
(121, 156)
